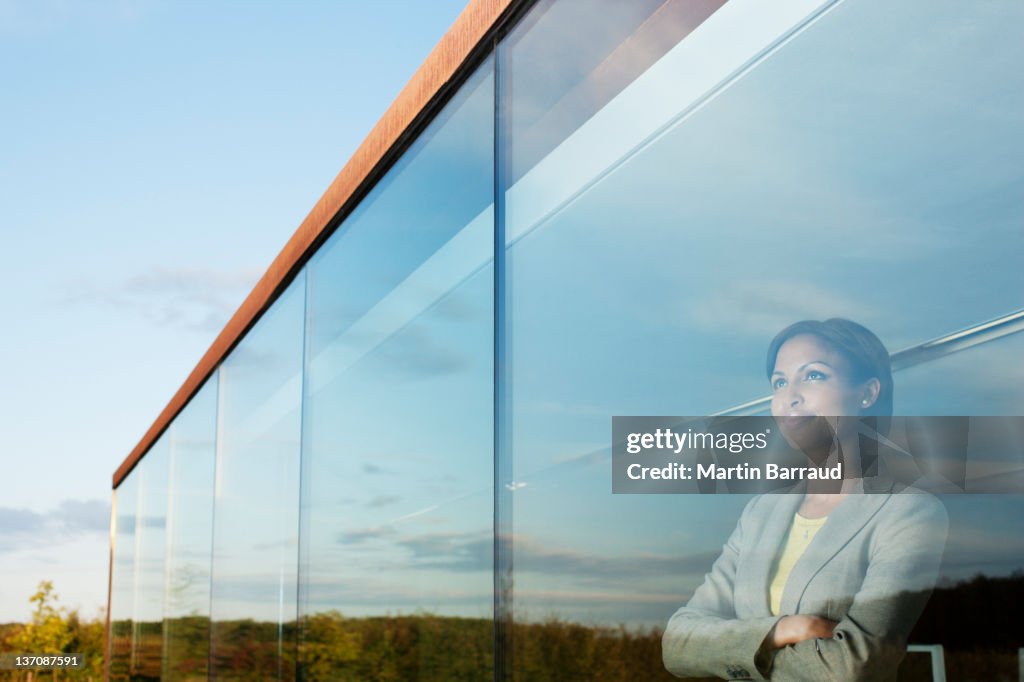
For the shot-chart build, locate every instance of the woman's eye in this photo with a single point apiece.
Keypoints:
(778, 383)
(815, 375)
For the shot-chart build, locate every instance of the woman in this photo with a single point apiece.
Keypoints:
(825, 583)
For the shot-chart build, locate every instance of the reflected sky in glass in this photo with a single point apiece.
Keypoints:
(150, 544)
(397, 460)
(190, 535)
(122, 592)
(257, 483)
(867, 168)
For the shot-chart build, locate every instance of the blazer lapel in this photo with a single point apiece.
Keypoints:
(843, 523)
(766, 548)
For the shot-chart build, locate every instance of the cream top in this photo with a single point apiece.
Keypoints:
(801, 532)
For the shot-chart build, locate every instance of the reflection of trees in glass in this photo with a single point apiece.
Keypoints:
(979, 643)
(187, 637)
(187, 648)
(120, 648)
(420, 647)
(147, 646)
(253, 650)
(968, 618)
(189, 583)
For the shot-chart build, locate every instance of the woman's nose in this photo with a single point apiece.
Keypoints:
(794, 398)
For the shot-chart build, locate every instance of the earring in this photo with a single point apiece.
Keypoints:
(865, 402)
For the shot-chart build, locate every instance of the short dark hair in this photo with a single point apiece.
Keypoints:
(865, 352)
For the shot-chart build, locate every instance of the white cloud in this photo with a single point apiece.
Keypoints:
(762, 307)
(69, 544)
(25, 529)
(195, 299)
(40, 17)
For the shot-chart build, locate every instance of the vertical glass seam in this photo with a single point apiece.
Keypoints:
(217, 440)
(502, 463)
(140, 492)
(109, 648)
(303, 478)
(169, 491)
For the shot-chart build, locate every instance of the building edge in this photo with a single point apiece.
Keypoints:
(451, 60)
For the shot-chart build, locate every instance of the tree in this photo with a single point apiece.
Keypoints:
(55, 630)
(48, 633)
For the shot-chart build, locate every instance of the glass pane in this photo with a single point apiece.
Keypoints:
(857, 160)
(397, 462)
(122, 590)
(256, 514)
(558, 78)
(983, 380)
(190, 537)
(150, 539)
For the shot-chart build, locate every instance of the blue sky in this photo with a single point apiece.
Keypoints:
(154, 158)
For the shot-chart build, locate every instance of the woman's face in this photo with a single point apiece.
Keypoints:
(812, 382)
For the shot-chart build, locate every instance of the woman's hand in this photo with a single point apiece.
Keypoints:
(793, 629)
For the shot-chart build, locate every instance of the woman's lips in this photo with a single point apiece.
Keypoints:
(791, 421)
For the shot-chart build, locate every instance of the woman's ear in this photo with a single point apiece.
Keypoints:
(869, 393)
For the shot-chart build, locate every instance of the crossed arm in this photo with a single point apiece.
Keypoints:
(707, 638)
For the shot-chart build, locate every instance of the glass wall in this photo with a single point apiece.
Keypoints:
(190, 537)
(398, 443)
(122, 579)
(856, 160)
(403, 470)
(150, 540)
(256, 513)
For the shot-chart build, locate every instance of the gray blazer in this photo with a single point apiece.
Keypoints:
(871, 567)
